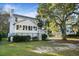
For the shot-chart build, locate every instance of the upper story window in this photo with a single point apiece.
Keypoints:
(16, 19)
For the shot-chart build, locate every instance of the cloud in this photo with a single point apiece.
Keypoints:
(17, 10)
(8, 8)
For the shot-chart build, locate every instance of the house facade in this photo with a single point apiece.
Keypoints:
(23, 26)
(69, 24)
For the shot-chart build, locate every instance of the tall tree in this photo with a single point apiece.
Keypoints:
(58, 13)
(4, 25)
(44, 14)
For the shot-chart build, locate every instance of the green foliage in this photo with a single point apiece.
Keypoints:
(40, 24)
(54, 27)
(22, 48)
(26, 49)
(4, 25)
(35, 38)
(0, 39)
(21, 38)
(44, 37)
(57, 13)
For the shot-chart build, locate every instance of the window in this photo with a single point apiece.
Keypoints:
(16, 19)
(29, 27)
(35, 28)
(17, 27)
(67, 30)
(23, 27)
(20, 26)
(26, 27)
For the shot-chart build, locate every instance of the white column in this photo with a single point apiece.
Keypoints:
(31, 36)
(39, 34)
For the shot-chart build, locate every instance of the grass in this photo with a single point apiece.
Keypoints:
(24, 49)
(21, 48)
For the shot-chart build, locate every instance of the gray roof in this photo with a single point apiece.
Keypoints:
(23, 16)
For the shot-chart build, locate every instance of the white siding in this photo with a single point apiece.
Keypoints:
(69, 30)
(26, 23)
(23, 21)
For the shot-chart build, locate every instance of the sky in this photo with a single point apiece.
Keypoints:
(26, 9)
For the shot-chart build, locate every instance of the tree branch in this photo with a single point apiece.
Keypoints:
(58, 19)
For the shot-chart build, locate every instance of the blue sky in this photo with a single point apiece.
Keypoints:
(27, 9)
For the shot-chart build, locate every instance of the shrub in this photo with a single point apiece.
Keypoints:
(73, 36)
(35, 38)
(21, 38)
(8, 39)
(27, 38)
(0, 37)
(44, 37)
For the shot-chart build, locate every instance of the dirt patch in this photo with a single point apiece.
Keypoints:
(43, 49)
(57, 46)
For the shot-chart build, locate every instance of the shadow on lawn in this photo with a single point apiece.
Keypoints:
(67, 41)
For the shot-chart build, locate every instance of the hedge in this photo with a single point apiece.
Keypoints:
(35, 38)
(21, 38)
(44, 37)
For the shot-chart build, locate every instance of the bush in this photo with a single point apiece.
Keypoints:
(73, 36)
(0, 37)
(27, 38)
(35, 38)
(44, 37)
(8, 39)
(21, 38)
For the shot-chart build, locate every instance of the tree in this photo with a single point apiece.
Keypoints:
(4, 25)
(58, 13)
(44, 15)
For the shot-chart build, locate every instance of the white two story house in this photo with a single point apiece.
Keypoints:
(21, 25)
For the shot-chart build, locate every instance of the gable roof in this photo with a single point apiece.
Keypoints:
(30, 18)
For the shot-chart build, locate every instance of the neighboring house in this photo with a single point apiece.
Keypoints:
(69, 24)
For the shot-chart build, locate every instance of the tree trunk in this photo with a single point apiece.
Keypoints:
(63, 31)
(48, 27)
(64, 36)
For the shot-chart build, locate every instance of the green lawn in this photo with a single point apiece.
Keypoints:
(20, 48)
(24, 49)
